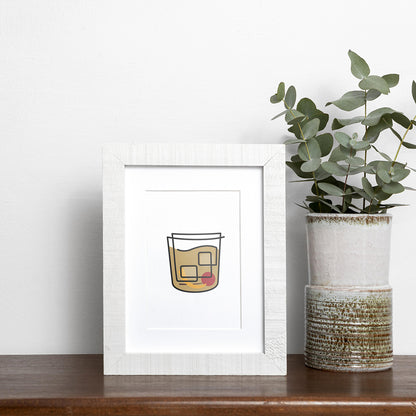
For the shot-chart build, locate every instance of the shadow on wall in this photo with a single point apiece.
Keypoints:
(297, 269)
(85, 276)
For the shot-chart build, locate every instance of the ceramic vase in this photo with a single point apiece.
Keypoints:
(348, 301)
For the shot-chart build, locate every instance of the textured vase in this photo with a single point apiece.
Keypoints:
(348, 303)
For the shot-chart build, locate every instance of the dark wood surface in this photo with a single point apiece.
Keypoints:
(74, 385)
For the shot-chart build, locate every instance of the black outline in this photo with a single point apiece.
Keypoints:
(210, 258)
(170, 265)
(190, 277)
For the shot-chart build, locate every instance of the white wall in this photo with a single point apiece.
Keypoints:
(75, 74)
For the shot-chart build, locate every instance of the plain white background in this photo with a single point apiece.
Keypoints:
(75, 74)
(162, 200)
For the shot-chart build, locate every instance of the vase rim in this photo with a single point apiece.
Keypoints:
(332, 214)
(349, 219)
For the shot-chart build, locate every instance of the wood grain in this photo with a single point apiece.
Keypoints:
(75, 385)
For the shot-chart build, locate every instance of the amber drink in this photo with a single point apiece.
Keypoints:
(194, 261)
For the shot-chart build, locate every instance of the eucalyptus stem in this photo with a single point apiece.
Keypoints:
(345, 183)
(309, 155)
(402, 140)
(369, 207)
(335, 174)
(365, 135)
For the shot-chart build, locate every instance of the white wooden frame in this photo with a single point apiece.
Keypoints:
(268, 156)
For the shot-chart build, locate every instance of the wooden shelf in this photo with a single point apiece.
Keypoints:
(74, 385)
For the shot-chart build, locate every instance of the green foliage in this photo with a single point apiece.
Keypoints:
(290, 97)
(391, 79)
(414, 91)
(374, 82)
(330, 165)
(359, 67)
(276, 98)
(350, 100)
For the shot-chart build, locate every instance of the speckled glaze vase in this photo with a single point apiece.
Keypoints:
(348, 302)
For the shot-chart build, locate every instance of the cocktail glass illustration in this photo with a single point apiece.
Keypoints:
(194, 261)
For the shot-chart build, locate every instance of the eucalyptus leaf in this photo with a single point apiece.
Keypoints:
(348, 152)
(322, 117)
(342, 138)
(380, 195)
(314, 189)
(310, 128)
(387, 157)
(355, 161)
(350, 101)
(321, 174)
(338, 155)
(296, 121)
(334, 168)
(293, 141)
(290, 97)
(414, 91)
(293, 116)
(323, 201)
(311, 165)
(393, 188)
(333, 178)
(359, 67)
(397, 165)
(314, 148)
(306, 106)
(374, 82)
(362, 193)
(330, 189)
(340, 123)
(391, 79)
(383, 175)
(409, 145)
(372, 95)
(360, 145)
(372, 133)
(368, 187)
(280, 114)
(396, 133)
(401, 119)
(295, 129)
(303, 206)
(386, 165)
(394, 205)
(398, 176)
(295, 166)
(303, 152)
(375, 116)
(276, 98)
(325, 142)
(361, 169)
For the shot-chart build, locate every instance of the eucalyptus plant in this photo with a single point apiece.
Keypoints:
(331, 165)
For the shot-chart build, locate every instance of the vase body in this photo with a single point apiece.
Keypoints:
(348, 301)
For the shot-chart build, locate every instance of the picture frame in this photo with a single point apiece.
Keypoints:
(127, 170)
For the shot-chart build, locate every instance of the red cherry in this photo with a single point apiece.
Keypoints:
(208, 279)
